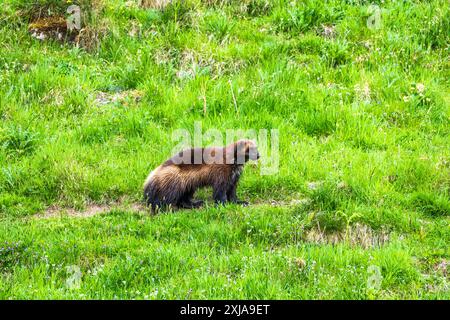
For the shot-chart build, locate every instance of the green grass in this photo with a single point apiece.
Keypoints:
(364, 123)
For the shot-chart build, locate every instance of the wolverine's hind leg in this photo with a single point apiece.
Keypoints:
(158, 207)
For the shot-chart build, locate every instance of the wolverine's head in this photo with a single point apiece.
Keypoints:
(245, 150)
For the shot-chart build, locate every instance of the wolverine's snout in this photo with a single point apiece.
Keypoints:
(253, 154)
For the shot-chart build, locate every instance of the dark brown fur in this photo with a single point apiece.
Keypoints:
(176, 180)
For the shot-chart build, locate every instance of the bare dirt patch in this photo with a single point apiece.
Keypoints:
(355, 235)
(328, 31)
(282, 203)
(95, 209)
(443, 267)
(89, 211)
(153, 4)
(67, 24)
(122, 97)
(51, 28)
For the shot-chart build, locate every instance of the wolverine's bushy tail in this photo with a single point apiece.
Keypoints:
(162, 188)
(151, 193)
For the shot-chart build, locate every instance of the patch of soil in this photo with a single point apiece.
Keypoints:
(328, 31)
(281, 203)
(52, 28)
(89, 211)
(356, 235)
(153, 4)
(56, 28)
(123, 97)
(443, 267)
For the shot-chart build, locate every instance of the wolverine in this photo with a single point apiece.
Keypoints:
(175, 181)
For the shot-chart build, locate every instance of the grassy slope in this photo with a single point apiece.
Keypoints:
(351, 111)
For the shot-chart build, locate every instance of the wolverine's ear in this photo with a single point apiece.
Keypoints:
(231, 153)
(241, 147)
(250, 144)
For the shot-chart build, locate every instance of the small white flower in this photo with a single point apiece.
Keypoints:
(420, 87)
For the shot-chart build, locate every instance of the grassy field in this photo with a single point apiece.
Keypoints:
(359, 208)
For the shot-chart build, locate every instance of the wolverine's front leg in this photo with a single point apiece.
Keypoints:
(231, 193)
(220, 194)
(232, 197)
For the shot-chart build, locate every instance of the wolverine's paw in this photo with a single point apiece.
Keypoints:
(197, 203)
(190, 204)
(185, 205)
(242, 203)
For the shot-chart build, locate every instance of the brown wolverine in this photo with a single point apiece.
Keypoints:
(176, 180)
